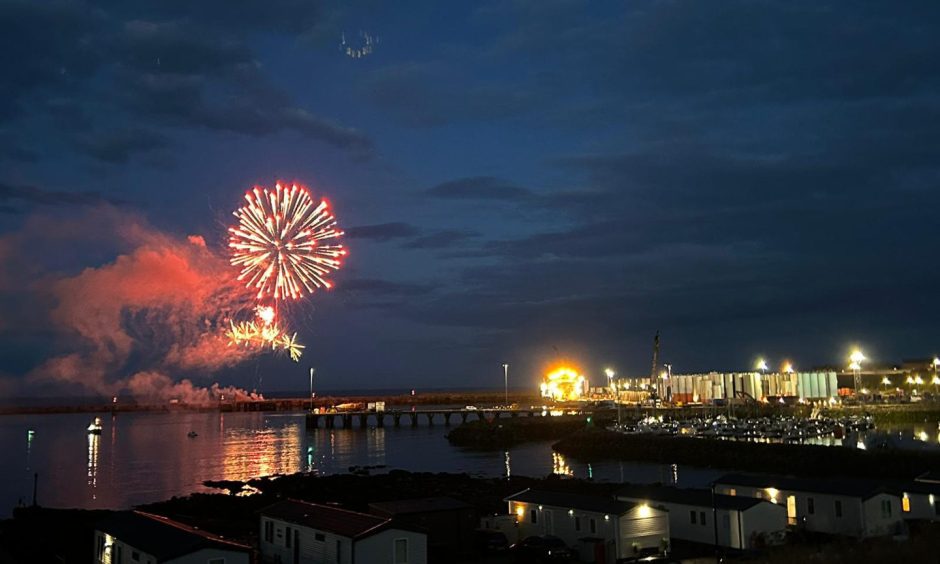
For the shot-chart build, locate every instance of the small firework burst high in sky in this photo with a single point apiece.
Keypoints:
(279, 242)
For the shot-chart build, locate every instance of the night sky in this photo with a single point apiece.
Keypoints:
(519, 181)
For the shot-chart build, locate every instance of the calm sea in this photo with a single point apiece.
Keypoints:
(145, 457)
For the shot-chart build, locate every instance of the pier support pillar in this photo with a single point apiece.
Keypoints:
(379, 419)
(414, 419)
(313, 420)
(363, 420)
(396, 419)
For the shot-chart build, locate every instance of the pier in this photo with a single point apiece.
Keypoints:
(349, 419)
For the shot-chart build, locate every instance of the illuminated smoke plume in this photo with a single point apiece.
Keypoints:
(157, 311)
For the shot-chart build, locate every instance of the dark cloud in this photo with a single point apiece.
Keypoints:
(383, 288)
(441, 239)
(157, 66)
(118, 146)
(382, 231)
(283, 16)
(37, 196)
(429, 95)
(478, 188)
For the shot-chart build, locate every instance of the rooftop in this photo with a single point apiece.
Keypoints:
(350, 524)
(697, 497)
(843, 486)
(421, 505)
(595, 504)
(160, 536)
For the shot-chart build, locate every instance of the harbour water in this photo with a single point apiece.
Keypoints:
(145, 457)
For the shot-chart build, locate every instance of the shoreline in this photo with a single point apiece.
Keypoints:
(282, 404)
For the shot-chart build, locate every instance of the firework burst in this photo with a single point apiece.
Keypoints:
(279, 242)
(264, 331)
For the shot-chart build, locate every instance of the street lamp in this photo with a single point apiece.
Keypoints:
(761, 365)
(506, 383)
(311, 388)
(936, 379)
(886, 382)
(610, 378)
(855, 365)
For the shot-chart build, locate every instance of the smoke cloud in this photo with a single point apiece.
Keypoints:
(148, 321)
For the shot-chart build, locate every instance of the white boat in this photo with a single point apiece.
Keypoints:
(95, 427)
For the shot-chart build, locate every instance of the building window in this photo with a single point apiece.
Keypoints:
(810, 506)
(401, 551)
(692, 516)
(135, 556)
(702, 517)
(319, 537)
(838, 508)
(593, 526)
(269, 531)
(118, 554)
(100, 550)
(533, 516)
(287, 541)
(906, 504)
(732, 491)
(886, 508)
(577, 523)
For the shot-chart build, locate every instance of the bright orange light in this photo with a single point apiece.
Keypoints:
(563, 383)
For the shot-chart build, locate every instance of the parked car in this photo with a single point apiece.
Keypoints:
(539, 550)
(489, 542)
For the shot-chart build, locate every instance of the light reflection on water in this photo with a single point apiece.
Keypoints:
(143, 457)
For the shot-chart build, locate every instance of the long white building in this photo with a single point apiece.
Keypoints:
(591, 524)
(854, 508)
(742, 522)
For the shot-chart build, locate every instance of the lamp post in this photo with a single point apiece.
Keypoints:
(855, 365)
(610, 378)
(936, 378)
(506, 382)
(762, 368)
(886, 382)
(311, 387)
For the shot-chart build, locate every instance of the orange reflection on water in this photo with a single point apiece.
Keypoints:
(93, 440)
(250, 453)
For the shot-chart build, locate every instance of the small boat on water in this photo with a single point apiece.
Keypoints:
(192, 434)
(95, 427)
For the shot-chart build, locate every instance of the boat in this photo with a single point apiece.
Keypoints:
(192, 434)
(95, 427)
